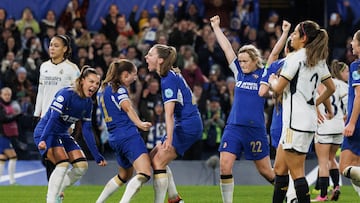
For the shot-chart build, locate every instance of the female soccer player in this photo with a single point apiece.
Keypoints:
(245, 129)
(56, 73)
(183, 122)
(52, 137)
(299, 78)
(349, 157)
(124, 138)
(328, 137)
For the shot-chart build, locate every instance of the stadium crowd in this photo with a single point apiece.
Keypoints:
(24, 45)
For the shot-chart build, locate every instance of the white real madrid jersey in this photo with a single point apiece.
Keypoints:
(299, 111)
(52, 78)
(336, 124)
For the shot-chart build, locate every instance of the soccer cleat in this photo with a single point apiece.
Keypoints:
(335, 194)
(320, 199)
(177, 200)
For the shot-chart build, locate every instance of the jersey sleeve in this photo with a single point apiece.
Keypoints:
(61, 97)
(121, 95)
(290, 67)
(39, 96)
(169, 88)
(324, 71)
(235, 68)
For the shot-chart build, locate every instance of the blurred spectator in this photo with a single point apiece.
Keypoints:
(209, 54)
(32, 66)
(45, 41)
(181, 35)
(268, 30)
(339, 30)
(186, 56)
(48, 21)
(134, 55)
(169, 19)
(222, 8)
(83, 57)
(123, 28)
(158, 128)
(10, 73)
(27, 20)
(73, 11)
(105, 58)
(139, 25)
(79, 34)
(14, 31)
(22, 88)
(227, 95)
(108, 27)
(3, 16)
(189, 12)
(150, 95)
(214, 122)
(6, 64)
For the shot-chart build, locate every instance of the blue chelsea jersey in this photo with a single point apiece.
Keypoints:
(354, 81)
(276, 121)
(71, 108)
(175, 88)
(248, 106)
(115, 118)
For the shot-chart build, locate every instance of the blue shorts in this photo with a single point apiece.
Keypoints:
(5, 143)
(186, 133)
(275, 135)
(63, 140)
(352, 143)
(128, 149)
(250, 140)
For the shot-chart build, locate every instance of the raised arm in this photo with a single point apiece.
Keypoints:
(275, 52)
(222, 39)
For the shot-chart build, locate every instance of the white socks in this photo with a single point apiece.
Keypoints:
(172, 192)
(74, 174)
(161, 183)
(11, 170)
(55, 181)
(111, 186)
(227, 190)
(133, 187)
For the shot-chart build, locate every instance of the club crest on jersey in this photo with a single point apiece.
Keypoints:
(121, 90)
(256, 76)
(60, 98)
(355, 75)
(168, 93)
(61, 71)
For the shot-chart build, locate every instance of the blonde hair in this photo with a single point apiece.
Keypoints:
(253, 52)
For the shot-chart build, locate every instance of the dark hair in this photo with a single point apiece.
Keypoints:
(114, 72)
(85, 71)
(168, 53)
(67, 43)
(316, 44)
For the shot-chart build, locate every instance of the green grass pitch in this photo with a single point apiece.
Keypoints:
(191, 194)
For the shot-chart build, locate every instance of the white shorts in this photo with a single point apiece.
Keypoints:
(298, 141)
(329, 139)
